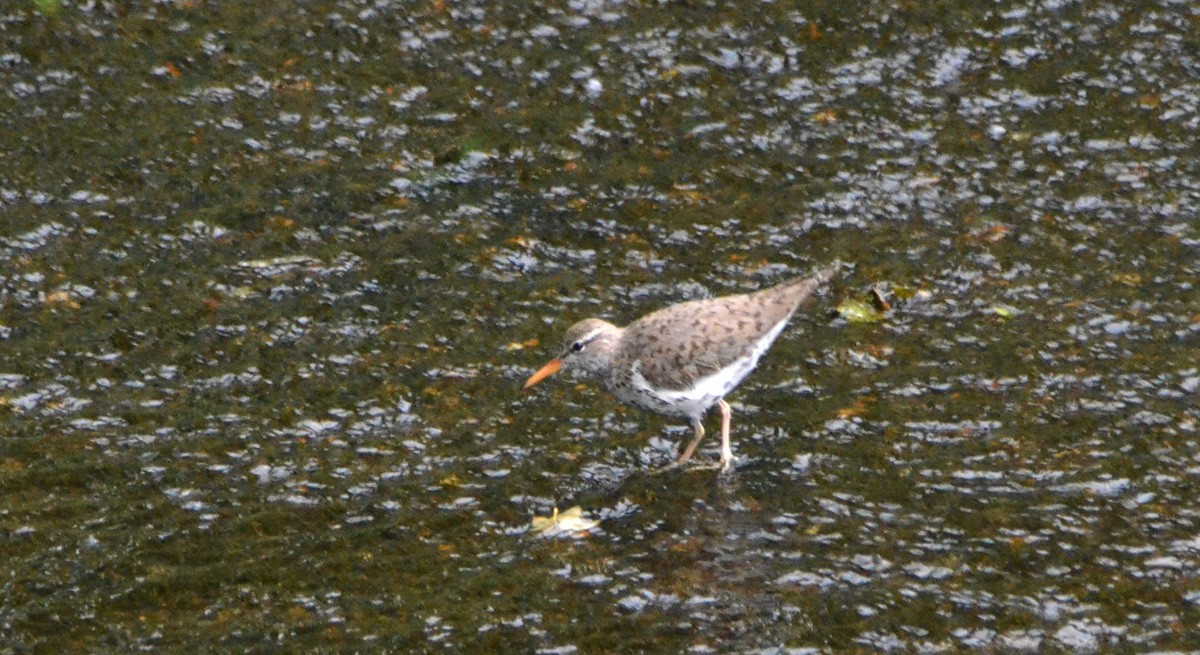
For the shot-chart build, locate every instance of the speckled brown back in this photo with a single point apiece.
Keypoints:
(682, 343)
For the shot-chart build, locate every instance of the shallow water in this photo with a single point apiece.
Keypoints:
(270, 281)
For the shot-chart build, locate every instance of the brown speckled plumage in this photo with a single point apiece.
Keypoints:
(682, 343)
(681, 360)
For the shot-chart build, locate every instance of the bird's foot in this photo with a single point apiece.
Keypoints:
(726, 462)
(723, 465)
(688, 466)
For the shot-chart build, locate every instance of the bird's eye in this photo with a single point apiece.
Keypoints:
(577, 346)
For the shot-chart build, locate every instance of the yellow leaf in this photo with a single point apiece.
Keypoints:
(567, 521)
(857, 311)
(530, 343)
(61, 298)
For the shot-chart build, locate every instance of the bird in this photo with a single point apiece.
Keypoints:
(681, 360)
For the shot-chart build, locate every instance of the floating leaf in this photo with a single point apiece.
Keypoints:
(991, 234)
(523, 241)
(567, 521)
(854, 410)
(858, 311)
(1004, 311)
(531, 343)
(827, 117)
(48, 7)
(61, 299)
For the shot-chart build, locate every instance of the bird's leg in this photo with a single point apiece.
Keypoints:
(726, 451)
(687, 454)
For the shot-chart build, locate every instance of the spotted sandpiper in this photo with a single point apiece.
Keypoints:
(681, 360)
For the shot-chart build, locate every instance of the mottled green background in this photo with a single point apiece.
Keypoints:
(271, 275)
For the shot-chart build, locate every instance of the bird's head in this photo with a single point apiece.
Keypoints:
(587, 349)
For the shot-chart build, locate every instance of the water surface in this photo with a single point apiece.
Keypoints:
(271, 278)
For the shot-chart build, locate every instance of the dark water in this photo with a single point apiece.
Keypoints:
(271, 276)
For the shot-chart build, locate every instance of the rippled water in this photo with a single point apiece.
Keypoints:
(270, 280)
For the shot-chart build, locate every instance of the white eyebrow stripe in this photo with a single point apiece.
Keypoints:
(590, 335)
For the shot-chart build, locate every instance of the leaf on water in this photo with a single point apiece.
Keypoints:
(570, 521)
(1004, 311)
(48, 7)
(991, 234)
(531, 343)
(60, 299)
(859, 311)
(523, 241)
(856, 409)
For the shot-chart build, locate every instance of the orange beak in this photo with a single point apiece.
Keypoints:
(544, 372)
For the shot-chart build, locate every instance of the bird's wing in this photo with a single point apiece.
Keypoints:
(682, 343)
